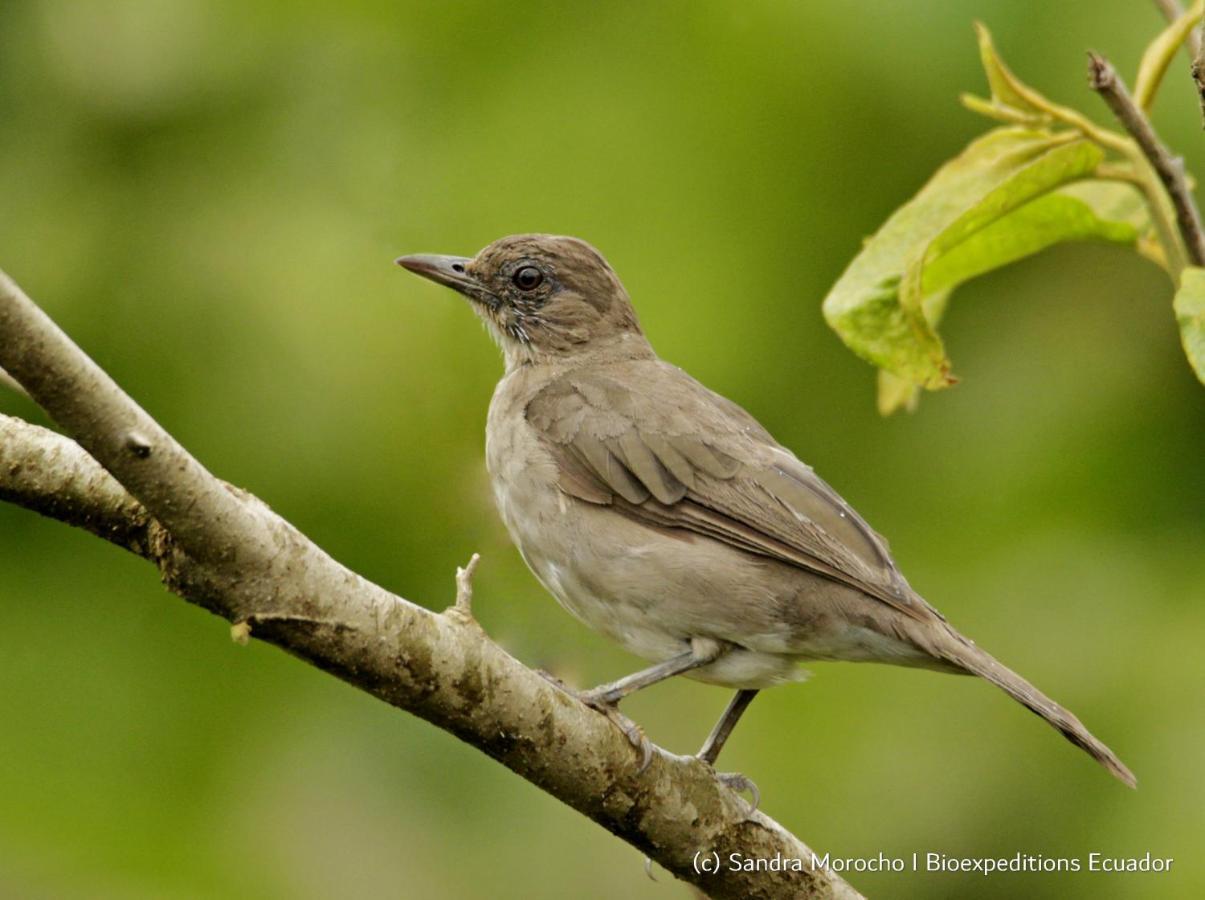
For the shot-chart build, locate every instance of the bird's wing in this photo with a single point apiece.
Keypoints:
(665, 450)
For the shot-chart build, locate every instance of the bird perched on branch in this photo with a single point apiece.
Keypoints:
(664, 516)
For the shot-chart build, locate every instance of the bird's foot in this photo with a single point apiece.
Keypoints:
(740, 783)
(604, 702)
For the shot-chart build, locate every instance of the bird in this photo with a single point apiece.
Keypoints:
(666, 517)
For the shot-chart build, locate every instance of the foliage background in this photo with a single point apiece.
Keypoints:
(208, 194)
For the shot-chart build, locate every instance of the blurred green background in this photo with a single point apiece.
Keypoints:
(209, 195)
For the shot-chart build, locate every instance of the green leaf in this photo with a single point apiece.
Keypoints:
(1057, 165)
(1159, 54)
(1014, 101)
(1116, 201)
(1051, 219)
(1007, 89)
(1189, 307)
(894, 394)
(993, 204)
(1090, 210)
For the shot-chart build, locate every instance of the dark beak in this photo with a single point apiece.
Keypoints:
(449, 271)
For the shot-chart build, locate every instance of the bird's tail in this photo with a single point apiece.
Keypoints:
(962, 653)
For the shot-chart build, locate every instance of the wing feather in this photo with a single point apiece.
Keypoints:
(644, 464)
(672, 454)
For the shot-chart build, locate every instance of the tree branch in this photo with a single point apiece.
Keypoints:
(52, 475)
(1106, 82)
(203, 515)
(224, 550)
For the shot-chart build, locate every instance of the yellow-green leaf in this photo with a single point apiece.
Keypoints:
(1159, 54)
(1007, 89)
(1051, 219)
(894, 394)
(1089, 210)
(1118, 201)
(993, 204)
(1189, 307)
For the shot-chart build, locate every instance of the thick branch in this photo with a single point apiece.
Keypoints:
(270, 579)
(1106, 82)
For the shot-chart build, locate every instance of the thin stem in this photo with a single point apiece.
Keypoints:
(1106, 82)
(1162, 50)
(1089, 129)
(1116, 172)
(1172, 10)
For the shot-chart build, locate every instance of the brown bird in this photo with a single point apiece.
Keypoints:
(664, 516)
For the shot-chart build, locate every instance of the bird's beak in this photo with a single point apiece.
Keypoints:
(449, 271)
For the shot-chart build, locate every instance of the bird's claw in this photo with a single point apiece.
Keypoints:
(740, 783)
(633, 732)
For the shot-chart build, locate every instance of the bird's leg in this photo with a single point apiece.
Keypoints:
(723, 728)
(719, 736)
(611, 693)
(605, 698)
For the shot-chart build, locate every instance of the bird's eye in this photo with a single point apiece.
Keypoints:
(528, 278)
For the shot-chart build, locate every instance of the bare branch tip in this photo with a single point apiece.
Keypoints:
(1101, 74)
(463, 608)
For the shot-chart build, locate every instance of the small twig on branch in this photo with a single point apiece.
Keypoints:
(52, 475)
(464, 590)
(1106, 82)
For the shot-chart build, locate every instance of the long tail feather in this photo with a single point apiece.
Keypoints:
(956, 649)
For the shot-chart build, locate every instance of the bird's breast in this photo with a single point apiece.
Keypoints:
(522, 471)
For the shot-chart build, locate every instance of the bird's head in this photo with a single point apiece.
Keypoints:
(541, 295)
